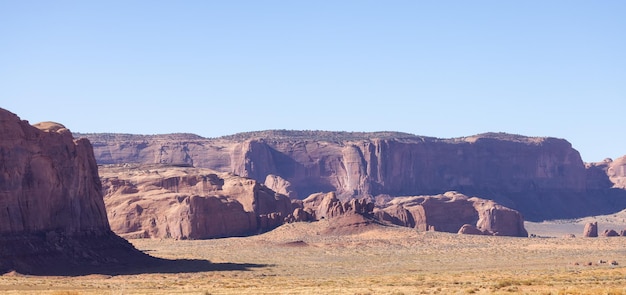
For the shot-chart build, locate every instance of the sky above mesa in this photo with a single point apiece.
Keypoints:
(433, 68)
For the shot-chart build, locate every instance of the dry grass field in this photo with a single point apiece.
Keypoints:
(297, 259)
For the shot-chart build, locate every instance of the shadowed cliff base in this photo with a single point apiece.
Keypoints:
(55, 254)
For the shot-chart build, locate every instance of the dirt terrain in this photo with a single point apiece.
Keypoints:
(560, 228)
(297, 259)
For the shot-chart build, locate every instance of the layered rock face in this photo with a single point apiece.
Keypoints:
(326, 205)
(453, 212)
(611, 173)
(49, 181)
(52, 216)
(541, 177)
(159, 201)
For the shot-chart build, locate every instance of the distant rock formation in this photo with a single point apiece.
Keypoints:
(281, 186)
(610, 233)
(52, 216)
(326, 205)
(542, 177)
(164, 201)
(591, 230)
(455, 213)
(611, 172)
(468, 229)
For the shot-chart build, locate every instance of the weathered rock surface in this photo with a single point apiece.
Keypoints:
(591, 230)
(609, 172)
(281, 186)
(544, 178)
(52, 216)
(160, 201)
(610, 233)
(450, 212)
(326, 205)
(468, 229)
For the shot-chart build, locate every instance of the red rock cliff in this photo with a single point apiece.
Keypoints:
(541, 177)
(48, 181)
(160, 201)
(52, 216)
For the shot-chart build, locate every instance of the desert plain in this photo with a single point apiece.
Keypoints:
(304, 258)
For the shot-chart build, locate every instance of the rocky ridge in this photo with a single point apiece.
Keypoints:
(164, 201)
(542, 177)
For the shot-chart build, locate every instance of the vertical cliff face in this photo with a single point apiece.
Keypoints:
(48, 181)
(541, 177)
(616, 172)
(490, 166)
(478, 164)
(52, 215)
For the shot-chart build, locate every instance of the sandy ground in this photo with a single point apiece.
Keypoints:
(297, 259)
(560, 228)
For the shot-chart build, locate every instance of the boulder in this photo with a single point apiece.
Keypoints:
(165, 201)
(468, 229)
(300, 215)
(52, 217)
(591, 230)
(610, 233)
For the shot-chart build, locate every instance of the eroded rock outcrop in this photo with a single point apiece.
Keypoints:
(468, 229)
(591, 230)
(610, 233)
(542, 177)
(453, 212)
(163, 201)
(52, 216)
(327, 205)
(609, 173)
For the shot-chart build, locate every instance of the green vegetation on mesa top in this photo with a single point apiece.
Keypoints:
(103, 137)
(320, 135)
(300, 135)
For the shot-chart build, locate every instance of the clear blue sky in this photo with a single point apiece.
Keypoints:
(434, 68)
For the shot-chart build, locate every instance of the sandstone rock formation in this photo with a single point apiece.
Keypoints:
(610, 233)
(326, 205)
(344, 217)
(161, 201)
(52, 216)
(281, 186)
(450, 212)
(468, 229)
(610, 172)
(544, 178)
(591, 230)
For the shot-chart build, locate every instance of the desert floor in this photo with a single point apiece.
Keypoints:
(297, 259)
